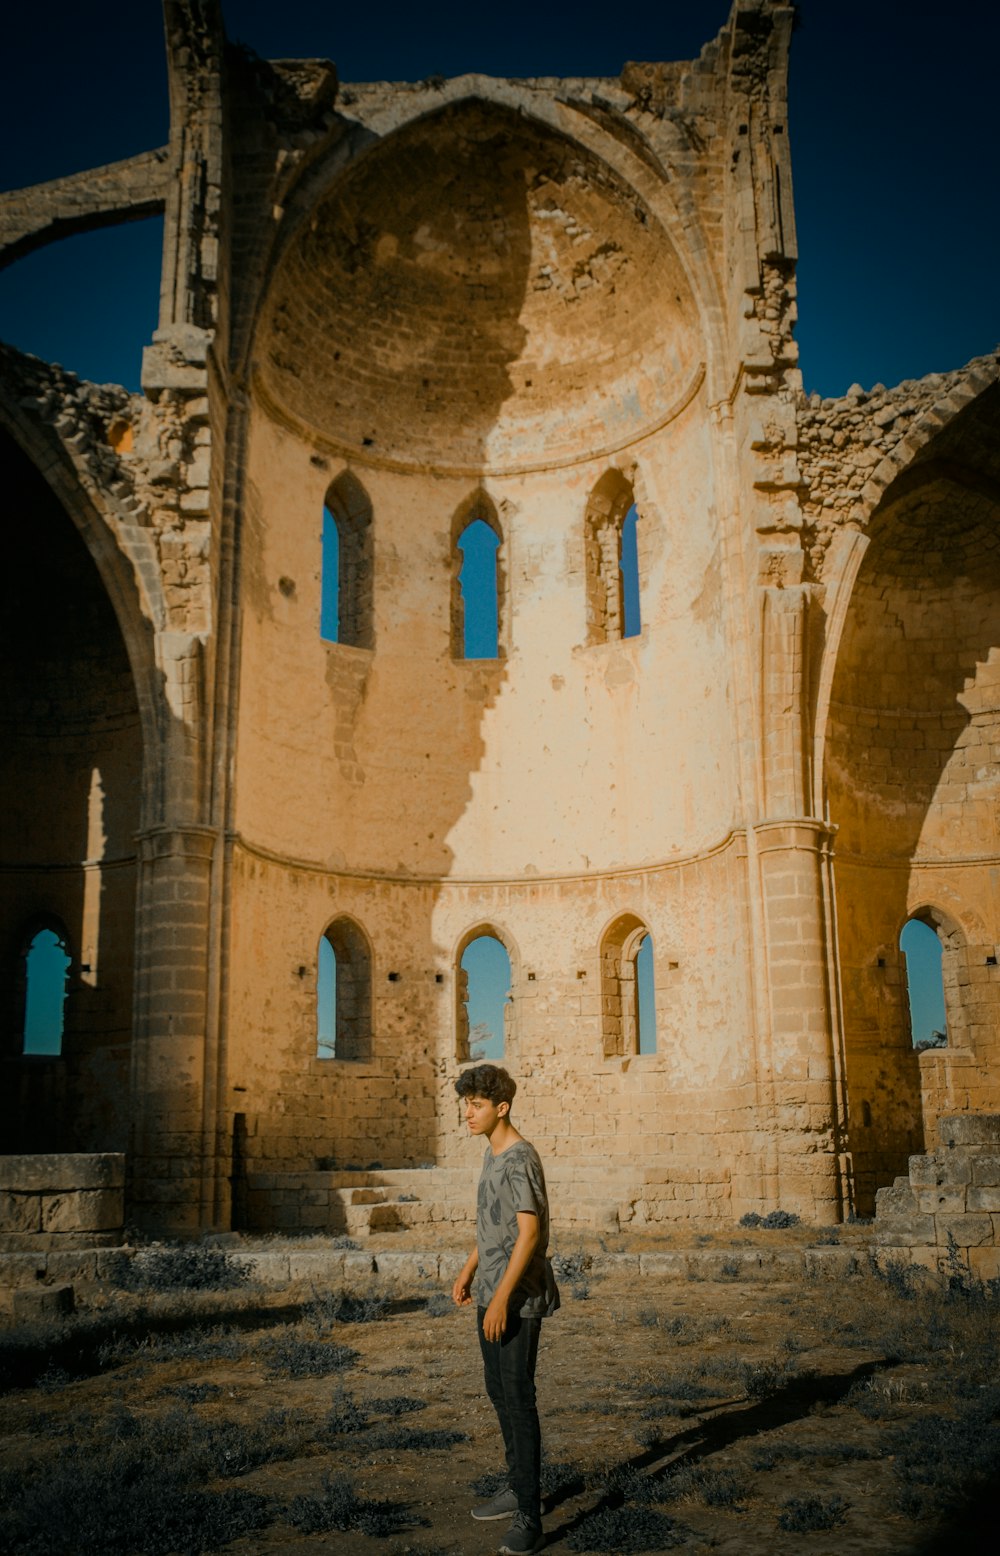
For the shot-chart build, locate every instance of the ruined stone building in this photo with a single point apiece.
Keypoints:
(528, 305)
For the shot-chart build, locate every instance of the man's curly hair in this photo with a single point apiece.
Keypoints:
(486, 1080)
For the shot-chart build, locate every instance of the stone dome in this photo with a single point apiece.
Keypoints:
(477, 292)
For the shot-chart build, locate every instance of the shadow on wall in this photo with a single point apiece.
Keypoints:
(910, 775)
(71, 765)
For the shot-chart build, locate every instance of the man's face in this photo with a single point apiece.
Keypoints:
(482, 1116)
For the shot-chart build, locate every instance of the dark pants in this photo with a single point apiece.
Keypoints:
(509, 1365)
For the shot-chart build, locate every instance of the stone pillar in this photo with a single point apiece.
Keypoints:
(794, 854)
(794, 872)
(171, 1173)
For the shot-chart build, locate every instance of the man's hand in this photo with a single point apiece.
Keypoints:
(461, 1292)
(495, 1319)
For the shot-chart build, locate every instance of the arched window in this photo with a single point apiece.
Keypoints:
(484, 998)
(477, 589)
(47, 962)
(347, 605)
(628, 1000)
(922, 952)
(343, 993)
(612, 561)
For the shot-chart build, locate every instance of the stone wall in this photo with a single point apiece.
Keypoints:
(949, 1205)
(49, 1203)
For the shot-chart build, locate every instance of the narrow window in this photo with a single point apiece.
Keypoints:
(46, 965)
(628, 564)
(343, 993)
(612, 561)
(346, 594)
(628, 1001)
(326, 1000)
(484, 998)
(922, 952)
(480, 605)
(329, 624)
(645, 1016)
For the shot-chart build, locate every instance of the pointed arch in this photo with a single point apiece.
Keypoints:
(484, 994)
(130, 572)
(45, 963)
(347, 592)
(478, 581)
(344, 992)
(611, 565)
(628, 1009)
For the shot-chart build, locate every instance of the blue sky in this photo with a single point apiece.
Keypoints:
(892, 136)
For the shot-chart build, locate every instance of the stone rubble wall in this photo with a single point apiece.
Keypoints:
(949, 1205)
(850, 447)
(57, 1202)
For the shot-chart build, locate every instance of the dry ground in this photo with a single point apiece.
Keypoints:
(734, 1416)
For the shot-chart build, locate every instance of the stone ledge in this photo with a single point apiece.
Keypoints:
(970, 1129)
(276, 1269)
(60, 1174)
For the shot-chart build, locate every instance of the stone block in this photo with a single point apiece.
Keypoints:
(92, 1210)
(450, 1265)
(620, 1264)
(983, 1197)
(19, 1269)
(931, 1201)
(20, 1213)
(829, 1263)
(985, 1168)
(359, 1267)
(42, 1304)
(969, 1231)
(408, 1266)
(899, 1200)
(667, 1265)
(970, 1129)
(908, 1231)
(985, 1263)
(926, 1259)
(268, 1269)
(324, 1268)
(943, 1167)
(924, 1172)
(73, 1265)
(58, 1172)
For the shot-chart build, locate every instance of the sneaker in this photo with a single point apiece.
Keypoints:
(523, 1537)
(500, 1506)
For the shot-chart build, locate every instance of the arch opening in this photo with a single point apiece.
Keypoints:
(344, 993)
(922, 957)
(347, 595)
(611, 556)
(628, 996)
(71, 768)
(46, 967)
(478, 581)
(485, 997)
(912, 787)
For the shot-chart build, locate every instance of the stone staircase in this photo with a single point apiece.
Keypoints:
(948, 1207)
(357, 1203)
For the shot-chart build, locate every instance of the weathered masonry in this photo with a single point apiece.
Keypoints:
(253, 770)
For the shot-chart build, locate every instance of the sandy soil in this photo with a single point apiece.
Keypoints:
(789, 1407)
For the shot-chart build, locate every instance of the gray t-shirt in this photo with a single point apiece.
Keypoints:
(510, 1182)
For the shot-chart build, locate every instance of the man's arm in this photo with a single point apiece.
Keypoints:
(461, 1291)
(528, 1234)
